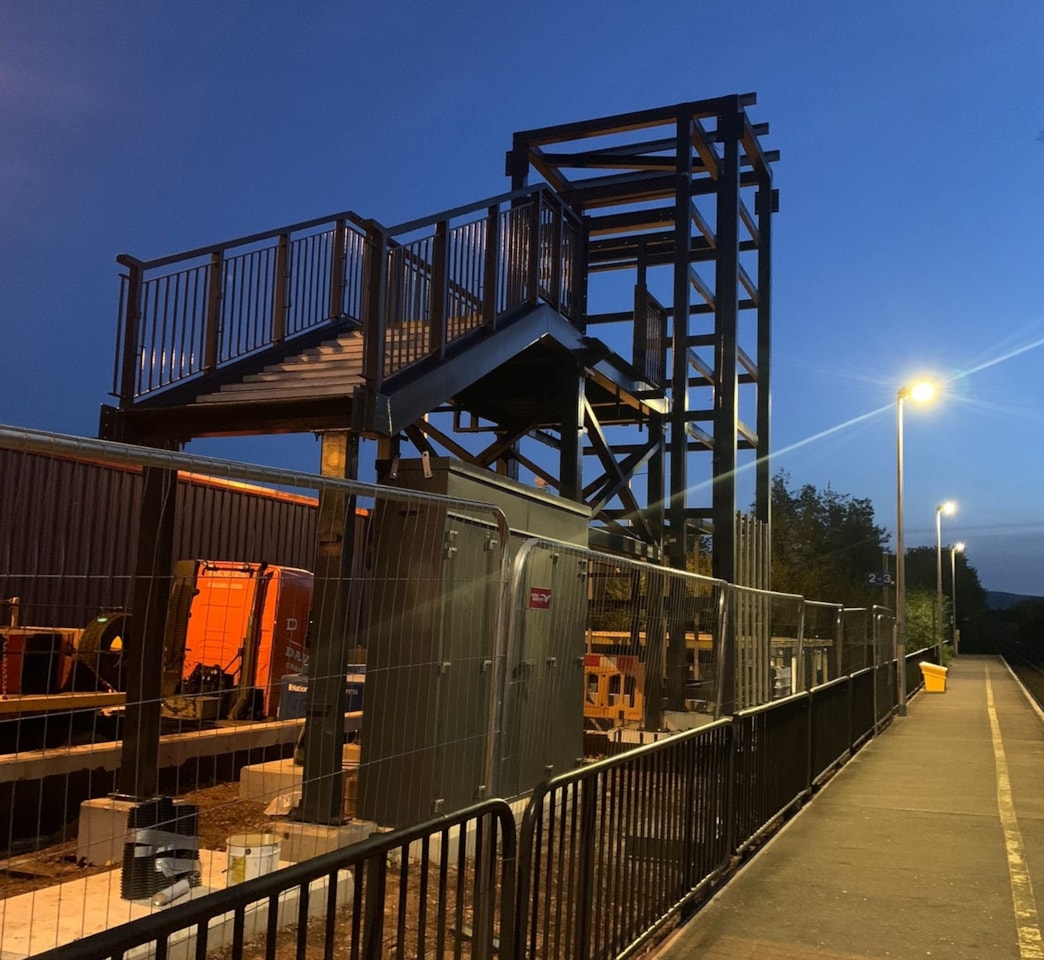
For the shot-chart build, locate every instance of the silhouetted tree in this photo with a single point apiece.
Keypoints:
(921, 578)
(824, 543)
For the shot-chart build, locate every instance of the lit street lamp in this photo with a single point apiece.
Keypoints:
(949, 508)
(954, 550)
(920, 392)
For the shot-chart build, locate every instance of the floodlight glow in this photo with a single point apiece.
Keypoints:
(949, 508)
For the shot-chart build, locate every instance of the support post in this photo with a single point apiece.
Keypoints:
(571, 459)
(491, 266)
(279, 292)
(139, 763)
(212, 335)
(131, 318)
(439, 292)
(374, 306)
(322, 790)
(337, 254)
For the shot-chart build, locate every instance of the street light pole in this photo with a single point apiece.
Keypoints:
(954, 550)
(900, 558)
(949, 507)
(921, 392)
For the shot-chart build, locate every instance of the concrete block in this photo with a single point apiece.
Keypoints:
(302, 841)
(102, 830)
(263, 782)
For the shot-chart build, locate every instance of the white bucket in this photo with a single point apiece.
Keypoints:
(251, 855)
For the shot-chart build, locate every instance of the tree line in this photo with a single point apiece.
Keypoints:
(825, 543)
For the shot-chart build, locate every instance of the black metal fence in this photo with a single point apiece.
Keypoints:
(605, 855)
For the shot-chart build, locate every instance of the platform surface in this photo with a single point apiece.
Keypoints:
(929, 843)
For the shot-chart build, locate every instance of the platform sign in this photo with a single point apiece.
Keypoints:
(879, 580)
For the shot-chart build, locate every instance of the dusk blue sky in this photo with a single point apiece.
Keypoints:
(909, 238)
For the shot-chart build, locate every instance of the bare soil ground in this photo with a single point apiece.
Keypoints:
(221, 814)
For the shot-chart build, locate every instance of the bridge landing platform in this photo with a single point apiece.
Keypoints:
(929, 843)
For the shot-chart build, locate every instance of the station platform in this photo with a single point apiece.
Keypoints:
(928, 843)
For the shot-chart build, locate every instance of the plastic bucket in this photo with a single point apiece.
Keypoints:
(251, 855)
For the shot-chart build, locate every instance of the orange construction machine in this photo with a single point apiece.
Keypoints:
(233, 631)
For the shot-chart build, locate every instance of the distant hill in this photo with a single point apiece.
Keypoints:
(998, 600)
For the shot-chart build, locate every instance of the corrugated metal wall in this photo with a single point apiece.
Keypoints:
(69, 528)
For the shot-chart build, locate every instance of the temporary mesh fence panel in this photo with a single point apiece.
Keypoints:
(765, 630)
(172, 638)
(857, 649)
(821, 643)
(634, 643)
(207, 657)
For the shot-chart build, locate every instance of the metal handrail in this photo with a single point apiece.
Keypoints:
(126, 260)
(245, 297)
(538, 190)
(369, 853)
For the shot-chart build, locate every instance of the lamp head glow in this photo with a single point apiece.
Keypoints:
(922, 391)
(958, 548)
(949, 508)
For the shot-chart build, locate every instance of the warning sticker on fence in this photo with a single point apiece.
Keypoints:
(539, 598)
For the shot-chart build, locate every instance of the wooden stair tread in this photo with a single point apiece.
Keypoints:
(285, 390)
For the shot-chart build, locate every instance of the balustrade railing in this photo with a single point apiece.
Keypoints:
(190, 314)
(413, 290)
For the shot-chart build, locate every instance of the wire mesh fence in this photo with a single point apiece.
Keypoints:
(203, 658)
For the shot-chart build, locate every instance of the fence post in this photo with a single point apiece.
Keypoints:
(131, 319)
(279, 304)
(534, 250)
(492, 261)
(527, 868)
(374, 314)
(730, 812)
(373, 920)
(556, 257)
(337, 254)
(801, 665)
(585, 893)
(439, 290)
(810, 727)
(215, 278)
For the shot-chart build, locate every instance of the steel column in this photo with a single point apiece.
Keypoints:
(571, 454)
(726, 320)
(763, 470)
(677, 546)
